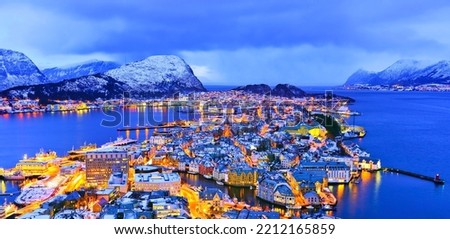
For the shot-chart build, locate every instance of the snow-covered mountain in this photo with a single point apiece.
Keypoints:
(157, 76)
(17, 69)
(153, 76)
(82, 88)
(404, 72)
(57, 74)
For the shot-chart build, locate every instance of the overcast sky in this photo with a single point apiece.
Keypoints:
(233, 42)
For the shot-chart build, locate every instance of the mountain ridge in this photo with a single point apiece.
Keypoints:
(56, 74)
(404, 72)
(282, 90)
(154, 76)
(17, 69)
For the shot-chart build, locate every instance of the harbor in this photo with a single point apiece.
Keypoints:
(366, 185)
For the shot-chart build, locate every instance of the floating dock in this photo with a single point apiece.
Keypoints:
(437, 179)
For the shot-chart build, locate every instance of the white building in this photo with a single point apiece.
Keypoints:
(337, 172)
(148, 182)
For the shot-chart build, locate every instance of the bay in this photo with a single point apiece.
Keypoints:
(406, 130)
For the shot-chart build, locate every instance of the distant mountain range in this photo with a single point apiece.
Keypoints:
(162, 75)
(58, 74)
(284, 90)
(405, 73)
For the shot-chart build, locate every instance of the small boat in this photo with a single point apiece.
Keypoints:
(350, 135)
(17, 175)
(327, 207)
(207, 176)
(220, 182)
(437, 180)
(309, 207)
(356, 180)
(294, 207)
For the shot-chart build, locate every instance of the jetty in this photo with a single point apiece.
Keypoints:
(436, 179)
(150, 127)
(9, 193)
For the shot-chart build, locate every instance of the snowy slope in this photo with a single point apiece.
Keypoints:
(362, 77)
(86, 87)
(154, 76)
(404, 72)
(157, 75)
(84, 69)
(17, 69)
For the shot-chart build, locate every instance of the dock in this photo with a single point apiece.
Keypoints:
(9, 194)
(150, 127)
(436, 179)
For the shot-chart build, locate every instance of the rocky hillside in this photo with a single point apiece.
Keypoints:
(82, 88)
(283, 90)
(16, 69)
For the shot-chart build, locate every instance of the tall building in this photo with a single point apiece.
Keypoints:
(102, 162)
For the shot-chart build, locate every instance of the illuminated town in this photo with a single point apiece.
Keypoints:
(287, 150)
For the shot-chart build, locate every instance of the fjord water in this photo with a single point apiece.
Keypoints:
(409, 131)
(406, 130)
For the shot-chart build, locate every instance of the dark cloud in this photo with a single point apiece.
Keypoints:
(168, 26)
(137, 29)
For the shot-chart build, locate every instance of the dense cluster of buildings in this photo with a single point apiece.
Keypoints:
(271, 145)
(424, 87)
(29, 106)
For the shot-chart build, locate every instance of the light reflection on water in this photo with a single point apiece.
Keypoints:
(399, 133)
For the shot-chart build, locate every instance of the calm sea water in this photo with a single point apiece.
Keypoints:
(407, 130)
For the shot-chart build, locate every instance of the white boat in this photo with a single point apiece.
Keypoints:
(294, 207)
(309, 207)
(327, 207)
(120, 141)
(207, 176)
(220, 182)
(350, 135)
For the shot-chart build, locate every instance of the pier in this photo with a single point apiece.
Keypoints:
(9, 194)
(436, 179)
(150, 127)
